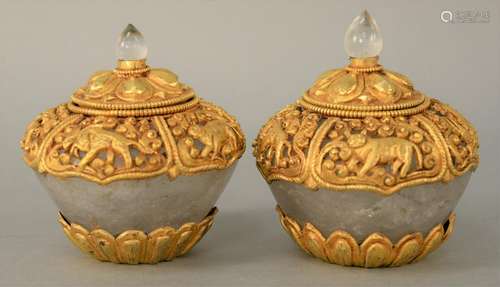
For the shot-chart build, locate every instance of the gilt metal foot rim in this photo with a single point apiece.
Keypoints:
(136, 246)
(376, 250)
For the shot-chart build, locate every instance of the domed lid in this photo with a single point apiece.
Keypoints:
(364, 87)
(132, 88)
(363, 127)
(131, 123)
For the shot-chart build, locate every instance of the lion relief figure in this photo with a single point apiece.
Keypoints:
(94, 139)
(217, 137)
(374, 151)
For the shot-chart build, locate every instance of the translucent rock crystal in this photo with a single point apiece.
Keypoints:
(363, 38)
(131, 45)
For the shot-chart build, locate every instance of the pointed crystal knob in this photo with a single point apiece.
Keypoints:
(363, 38)
(131, 45)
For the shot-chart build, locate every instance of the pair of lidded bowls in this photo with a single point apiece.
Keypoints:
(365, 169)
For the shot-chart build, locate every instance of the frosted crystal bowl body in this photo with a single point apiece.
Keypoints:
(144, 204)
(361, 213)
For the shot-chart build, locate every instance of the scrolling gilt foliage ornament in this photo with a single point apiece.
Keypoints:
(135, 246)
(364, 127)
(376, 250)
(130, 123)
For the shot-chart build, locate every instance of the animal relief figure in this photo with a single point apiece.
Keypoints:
(395, 151)
(274, 142)
(218, 138)
(94, 139)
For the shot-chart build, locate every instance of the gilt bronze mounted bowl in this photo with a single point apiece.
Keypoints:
(365, 169)
(135, 161)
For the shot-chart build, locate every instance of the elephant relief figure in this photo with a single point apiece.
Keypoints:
(95, 139)
(216, 136)
(373, 151)
(275, 140)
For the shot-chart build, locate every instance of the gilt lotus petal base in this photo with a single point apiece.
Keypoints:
(376, 250)
(135, 246)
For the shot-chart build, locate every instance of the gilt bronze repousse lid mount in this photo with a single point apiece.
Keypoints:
(366, 169)
(135, 161)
